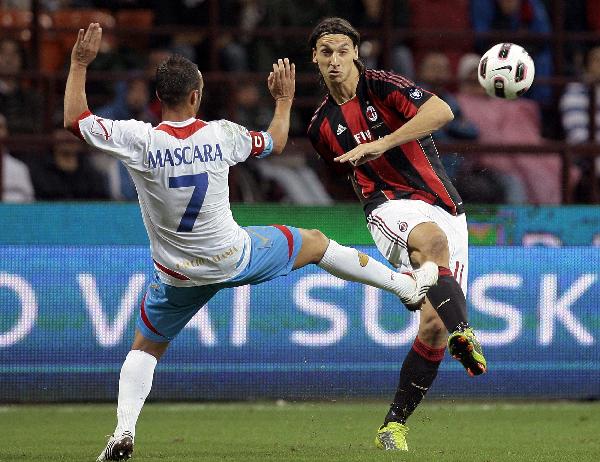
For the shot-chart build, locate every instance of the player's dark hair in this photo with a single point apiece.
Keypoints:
(336, 26)
(175, 79)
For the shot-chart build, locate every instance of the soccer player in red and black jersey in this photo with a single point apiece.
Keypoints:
(375, 126)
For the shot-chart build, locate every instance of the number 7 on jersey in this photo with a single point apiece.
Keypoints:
(200, 183)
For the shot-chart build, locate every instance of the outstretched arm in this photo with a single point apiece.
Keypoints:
(83, 53)
(282, 85)
(431, 116)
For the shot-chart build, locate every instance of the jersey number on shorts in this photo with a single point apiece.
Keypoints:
(200, 183)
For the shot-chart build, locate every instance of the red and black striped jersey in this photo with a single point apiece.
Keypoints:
(384, 102)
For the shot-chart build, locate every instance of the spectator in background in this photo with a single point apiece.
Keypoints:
(286, 179)
(66, 174)
(155, 57)
(517, 15)
(369, 15)
(131, 101)
(575, 115)
(287, 14)
(435, 75)
(576, 17)
(22, 106)
(529, 178)
(194, 45)
(429, 17)
(16, 181)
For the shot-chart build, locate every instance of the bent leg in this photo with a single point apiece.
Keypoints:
(428, 242)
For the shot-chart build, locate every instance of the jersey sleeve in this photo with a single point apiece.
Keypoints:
(126, 140)
(398, 92)
(244, 143)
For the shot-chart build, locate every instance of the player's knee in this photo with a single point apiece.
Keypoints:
(435, 247)
(432, 328)
(317, 242)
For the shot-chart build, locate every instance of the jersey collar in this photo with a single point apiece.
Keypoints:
(181, 123)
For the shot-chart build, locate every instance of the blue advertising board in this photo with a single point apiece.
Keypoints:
(67, 317)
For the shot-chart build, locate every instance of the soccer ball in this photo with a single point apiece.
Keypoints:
(506, 71)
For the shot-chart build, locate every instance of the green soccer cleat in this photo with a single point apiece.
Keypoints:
(392, 437)
(464, 347)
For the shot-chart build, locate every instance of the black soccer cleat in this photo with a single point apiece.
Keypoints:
(117, 448)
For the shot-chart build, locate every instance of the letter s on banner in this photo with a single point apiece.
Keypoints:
(371, 309)
(497, 309)
(315, 307)
(28, 309)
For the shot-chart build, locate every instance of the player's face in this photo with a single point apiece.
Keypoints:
(335, 55)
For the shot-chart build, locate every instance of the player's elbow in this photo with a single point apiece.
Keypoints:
(277, 149)
(444, 112)
(279, 143)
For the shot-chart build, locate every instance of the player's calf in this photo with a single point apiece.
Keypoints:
(350, 264)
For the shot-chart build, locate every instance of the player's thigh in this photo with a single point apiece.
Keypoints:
(273, 253)
(455, 228)
(165, 309)
(390, 225)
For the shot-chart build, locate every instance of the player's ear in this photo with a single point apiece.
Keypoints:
(356, 52)
(314, 59)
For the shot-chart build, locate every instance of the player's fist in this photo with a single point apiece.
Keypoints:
(87, 45)
(282, 80)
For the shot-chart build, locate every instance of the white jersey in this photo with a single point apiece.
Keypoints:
(180, 171)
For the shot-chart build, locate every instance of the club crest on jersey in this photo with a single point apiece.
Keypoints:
(415, 93)
(340, 129)
(101, 127)
(402, 226)
(371, 113)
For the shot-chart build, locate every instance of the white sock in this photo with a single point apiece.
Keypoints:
(350, 264)
(134, 385)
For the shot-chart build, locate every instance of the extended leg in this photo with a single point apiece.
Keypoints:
(427, 242)
(350, 264)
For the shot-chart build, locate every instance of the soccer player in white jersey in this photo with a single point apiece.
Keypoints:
(180, 170)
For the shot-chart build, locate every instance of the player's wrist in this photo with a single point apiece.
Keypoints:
(386, 143)
(78, 65)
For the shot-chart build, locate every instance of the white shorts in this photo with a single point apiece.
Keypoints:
(391, 223)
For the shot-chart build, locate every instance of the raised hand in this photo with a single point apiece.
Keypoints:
(87, 45)
(282, 80)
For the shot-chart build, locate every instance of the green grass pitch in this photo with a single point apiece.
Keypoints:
(308, 431)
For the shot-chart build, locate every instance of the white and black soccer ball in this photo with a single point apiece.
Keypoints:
(506, 71)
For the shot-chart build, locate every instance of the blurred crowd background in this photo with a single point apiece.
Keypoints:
(539, 149)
